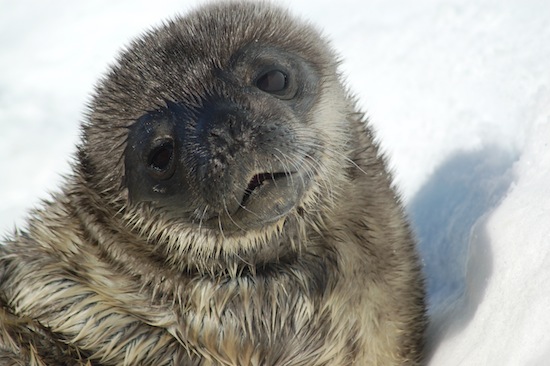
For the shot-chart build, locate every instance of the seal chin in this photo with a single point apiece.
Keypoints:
(267, 199)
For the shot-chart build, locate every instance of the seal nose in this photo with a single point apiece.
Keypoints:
(225, 156)
(224, 129)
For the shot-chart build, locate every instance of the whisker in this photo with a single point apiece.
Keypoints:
(245, 208)
(229, 215)
(203, 215)
(323, 148)
(288, 161)
(220, 226)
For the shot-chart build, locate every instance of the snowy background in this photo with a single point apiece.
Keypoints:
(459, 92)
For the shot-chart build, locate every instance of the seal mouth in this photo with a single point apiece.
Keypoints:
(260, 180)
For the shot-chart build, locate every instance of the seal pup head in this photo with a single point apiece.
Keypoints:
(230, 132)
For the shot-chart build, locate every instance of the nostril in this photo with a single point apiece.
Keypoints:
(161, 159)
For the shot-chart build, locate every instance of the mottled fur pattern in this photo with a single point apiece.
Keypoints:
(96, 280)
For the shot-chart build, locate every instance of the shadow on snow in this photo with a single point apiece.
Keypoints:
(448, 216)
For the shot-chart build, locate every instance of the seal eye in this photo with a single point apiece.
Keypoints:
(274, 81)
(161, 160)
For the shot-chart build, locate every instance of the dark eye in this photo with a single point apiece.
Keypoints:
(161, 159)
(274, 81)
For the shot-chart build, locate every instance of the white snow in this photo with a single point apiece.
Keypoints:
(458, 91)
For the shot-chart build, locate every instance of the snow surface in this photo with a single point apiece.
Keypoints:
(458, 91)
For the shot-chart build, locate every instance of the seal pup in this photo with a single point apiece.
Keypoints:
(228, 206)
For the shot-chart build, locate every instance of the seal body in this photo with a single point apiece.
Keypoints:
(228, 206)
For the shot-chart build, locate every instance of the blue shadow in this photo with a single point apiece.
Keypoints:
(465, 188)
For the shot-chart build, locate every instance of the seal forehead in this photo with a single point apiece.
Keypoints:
(180, 56)
(225, 27)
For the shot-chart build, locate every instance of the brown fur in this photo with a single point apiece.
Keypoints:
(102, 276)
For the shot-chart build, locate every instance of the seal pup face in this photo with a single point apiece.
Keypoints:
(230, 131)
(233, 158)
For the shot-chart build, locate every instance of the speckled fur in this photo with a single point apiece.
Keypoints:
(93, 280)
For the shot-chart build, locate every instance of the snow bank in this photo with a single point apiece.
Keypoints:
(504, 316)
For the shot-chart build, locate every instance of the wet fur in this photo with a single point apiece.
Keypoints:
(96, 280)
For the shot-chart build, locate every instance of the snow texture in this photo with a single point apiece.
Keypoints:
(457, 90)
